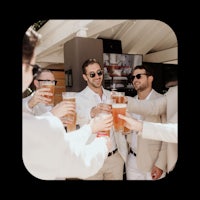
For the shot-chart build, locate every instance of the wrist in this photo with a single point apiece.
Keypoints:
(31, 104)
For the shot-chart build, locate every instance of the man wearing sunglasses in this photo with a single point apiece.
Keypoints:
(167, 104)
(90, 101)
(37, 103)
(147, 158)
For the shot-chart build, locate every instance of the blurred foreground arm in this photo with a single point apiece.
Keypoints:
(155, 131)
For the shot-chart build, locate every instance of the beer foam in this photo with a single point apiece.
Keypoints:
(69, 97)
(72, 99)
(119, 105)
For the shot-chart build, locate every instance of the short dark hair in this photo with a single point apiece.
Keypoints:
(148, 69)
(88, 62)
(30, 41)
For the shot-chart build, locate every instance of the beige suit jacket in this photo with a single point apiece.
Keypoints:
(150, 152)
(167, 104)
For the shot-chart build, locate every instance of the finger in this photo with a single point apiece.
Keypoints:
(121, 116)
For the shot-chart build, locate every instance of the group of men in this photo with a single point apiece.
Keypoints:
(138, 155)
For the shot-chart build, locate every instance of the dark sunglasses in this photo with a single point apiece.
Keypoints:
(93, 74)
(36, 69)
(138, 76)
(54, 81)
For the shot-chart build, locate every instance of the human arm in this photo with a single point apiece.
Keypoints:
(39, 97)
(36, 103)
(25, 107)
(49, 153)
(151, 130)
(159, 131)
(101, 123)
(85, 158)
(156, 106)
(62, 108)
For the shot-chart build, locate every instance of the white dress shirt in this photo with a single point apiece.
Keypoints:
(49, 153)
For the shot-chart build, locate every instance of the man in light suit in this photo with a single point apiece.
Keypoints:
(166, 132)
(89, 103)
(147, 158)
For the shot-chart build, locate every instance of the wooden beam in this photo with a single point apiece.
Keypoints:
(162, 56)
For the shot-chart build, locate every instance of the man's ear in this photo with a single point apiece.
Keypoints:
(85, 77)
(36, 83)
(151, 78)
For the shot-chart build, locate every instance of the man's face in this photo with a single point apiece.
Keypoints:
(94, 75)
(140, 81)
(44, 76)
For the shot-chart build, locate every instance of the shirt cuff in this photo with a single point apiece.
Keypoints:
(28, 108)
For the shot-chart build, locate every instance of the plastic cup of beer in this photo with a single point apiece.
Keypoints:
(118, 97)
(51, 85)
(102, 115)
(118, 108)
(107, 104)
(70, 97)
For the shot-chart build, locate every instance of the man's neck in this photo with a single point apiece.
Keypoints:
(143, 94)
(98, 90)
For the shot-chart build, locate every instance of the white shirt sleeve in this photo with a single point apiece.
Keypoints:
(25, 106)
(50, 153)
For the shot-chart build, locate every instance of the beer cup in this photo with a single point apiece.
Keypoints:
(118, 108)
(118, 97)
(51, 85)
(102, 115)
(106, 103)
(70, 97)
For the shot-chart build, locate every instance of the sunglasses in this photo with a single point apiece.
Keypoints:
(138, 76)
(54, 81)
(93, 74)
(36, 69)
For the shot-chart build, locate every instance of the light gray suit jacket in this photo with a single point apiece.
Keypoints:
(150, 152)
(167, 104)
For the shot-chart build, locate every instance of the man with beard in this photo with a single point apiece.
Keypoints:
(147, 158)
(91, 101)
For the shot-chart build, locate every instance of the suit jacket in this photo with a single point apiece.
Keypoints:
(159, 131)
(150, 152)
(167, 104)
(85, 100)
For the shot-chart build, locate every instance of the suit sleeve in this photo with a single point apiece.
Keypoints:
(159, 131)
(151, 107)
